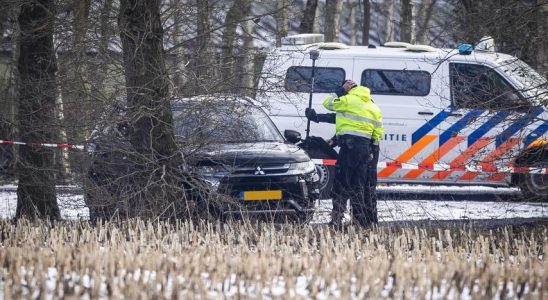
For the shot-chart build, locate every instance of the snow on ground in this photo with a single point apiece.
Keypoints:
(72, 206)
(447, 189)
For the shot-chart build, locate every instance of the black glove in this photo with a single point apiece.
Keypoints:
(340, 91)
(310, 114)
(332, 141)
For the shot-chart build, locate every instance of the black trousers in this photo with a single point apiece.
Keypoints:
(354, 181)
(372, 180)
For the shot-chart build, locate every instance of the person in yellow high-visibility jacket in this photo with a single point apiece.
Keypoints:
(359, 129)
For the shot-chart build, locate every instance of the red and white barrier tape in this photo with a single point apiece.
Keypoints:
(65, 146)
(446, 167)
(380, 165)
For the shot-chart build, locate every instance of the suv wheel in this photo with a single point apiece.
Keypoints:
(326, 173)
(535, 186)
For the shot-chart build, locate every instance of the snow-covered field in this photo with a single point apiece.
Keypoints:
(140, 260)
(72, 205)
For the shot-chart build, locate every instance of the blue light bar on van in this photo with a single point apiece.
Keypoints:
(465, 49)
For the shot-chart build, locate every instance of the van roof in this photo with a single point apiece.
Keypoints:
(399, 52)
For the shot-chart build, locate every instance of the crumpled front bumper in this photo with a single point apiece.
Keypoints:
(298, 191)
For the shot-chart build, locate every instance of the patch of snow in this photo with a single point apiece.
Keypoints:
(447, 189)
(72, 206)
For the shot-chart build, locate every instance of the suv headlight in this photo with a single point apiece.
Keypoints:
(212, 171)
(212, 175)
(303, 167)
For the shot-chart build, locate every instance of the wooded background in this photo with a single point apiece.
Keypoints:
(65, 64)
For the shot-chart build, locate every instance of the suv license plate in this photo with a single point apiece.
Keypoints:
(261, 195)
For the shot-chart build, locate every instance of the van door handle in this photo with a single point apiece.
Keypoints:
(422, 113)
(455, 115)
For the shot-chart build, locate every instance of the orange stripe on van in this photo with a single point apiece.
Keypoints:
(460, 160)
(491, 158)
(408, 154)
(436, 155)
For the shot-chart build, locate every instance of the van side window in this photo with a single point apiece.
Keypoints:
(297, 79)
(397, 82)
(477, 86)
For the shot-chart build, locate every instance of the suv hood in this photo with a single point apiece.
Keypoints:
(241, 154)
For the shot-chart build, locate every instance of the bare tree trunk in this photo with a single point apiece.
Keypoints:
(146, 77)
(75, 94)
(413, 32)
(178, 79)
(425, 14)
(203, 50)
(239, 10)
(352, 6)
(281, 22)
(406, 20)
(36, 110)
(366, 22)
(307, 23)
(248, 75)
(389, 22)
(61, 157)
(470, 24)
(149, 107)
(8, 94)
(332, 20)
(105, 32)
(316, 25)
(542, 54)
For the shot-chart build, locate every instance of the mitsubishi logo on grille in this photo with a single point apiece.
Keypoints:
(259, 171)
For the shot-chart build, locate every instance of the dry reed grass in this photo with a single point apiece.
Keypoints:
(143, 260)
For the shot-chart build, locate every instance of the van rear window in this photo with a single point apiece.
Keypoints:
(397, 82)
(297, 79)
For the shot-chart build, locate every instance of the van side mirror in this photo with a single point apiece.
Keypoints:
(292, 136)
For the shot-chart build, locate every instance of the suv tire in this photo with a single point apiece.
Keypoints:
(535, 186)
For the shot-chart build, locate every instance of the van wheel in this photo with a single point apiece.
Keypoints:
(326, 173)
(535, 186)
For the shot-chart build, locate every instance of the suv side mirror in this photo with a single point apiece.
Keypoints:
(292, 136)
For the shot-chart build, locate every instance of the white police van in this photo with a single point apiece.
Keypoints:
(451, 116)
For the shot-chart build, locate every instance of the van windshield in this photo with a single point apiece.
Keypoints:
(533, 83)
(217, 123)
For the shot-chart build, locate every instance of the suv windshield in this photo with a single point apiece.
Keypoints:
(533, 83)
(230, 122)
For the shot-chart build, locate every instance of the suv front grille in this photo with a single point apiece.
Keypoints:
(266, 169)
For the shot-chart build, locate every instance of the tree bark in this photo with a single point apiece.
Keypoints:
(239, 10)
(352, 6)
(366, 22)
(425, 14)
(281, 22)
(178, 80)
(105, 32)
(542, 28)
(203, 49)
(36, 111)
(332, 20)
(8, 94)
(74, 97)
(149, 109)
(389, 22)
(317, 24)
(307, 23)
(406, 20)
(248, 75)
(146, 78)
(470, 24)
